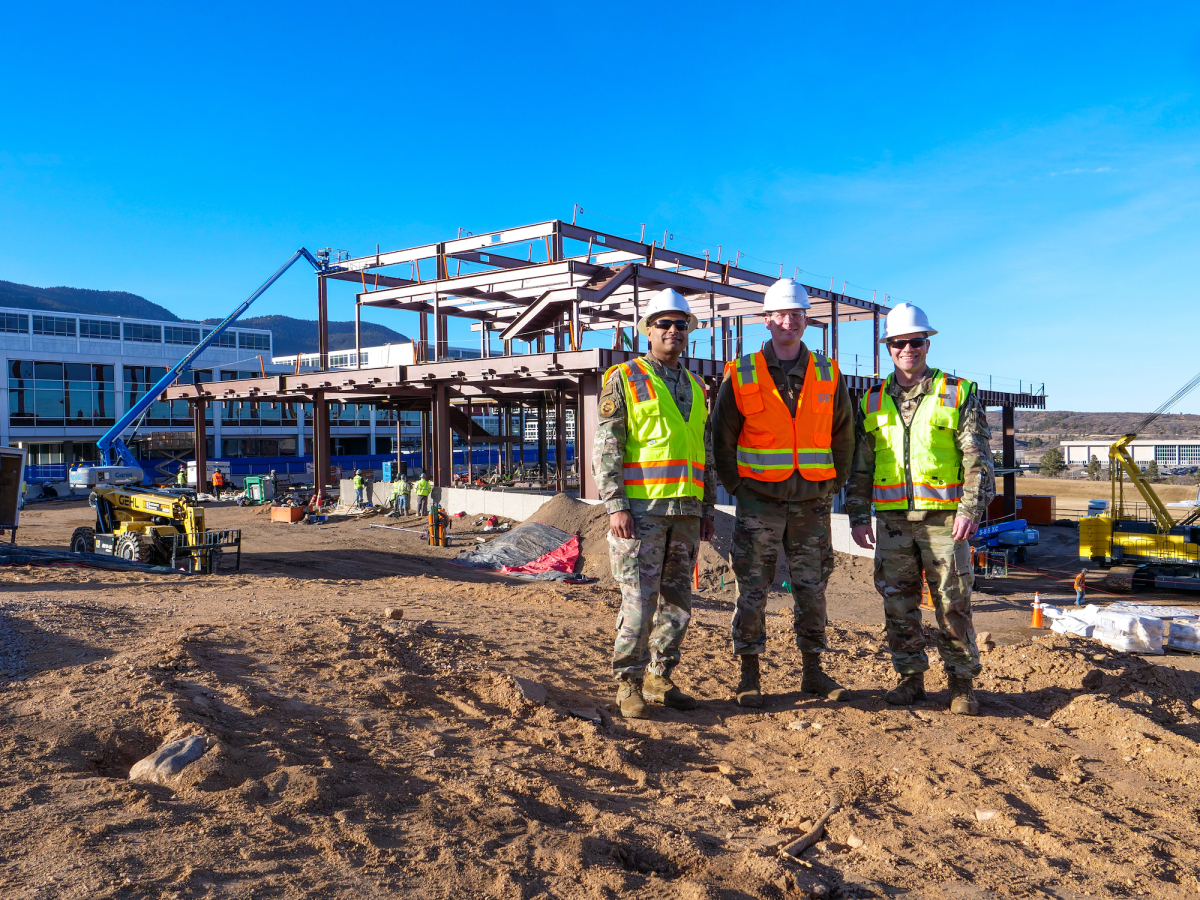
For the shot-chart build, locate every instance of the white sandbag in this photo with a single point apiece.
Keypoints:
(1075, 625)
(1184, 635)
(1128, 633)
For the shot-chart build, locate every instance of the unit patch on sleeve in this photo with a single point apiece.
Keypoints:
(608, 406)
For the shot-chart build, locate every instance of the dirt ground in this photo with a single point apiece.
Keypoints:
(356, 756)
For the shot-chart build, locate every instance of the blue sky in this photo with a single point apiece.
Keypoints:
(1030, 174)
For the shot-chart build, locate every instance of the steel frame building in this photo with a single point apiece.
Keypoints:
(543, 284)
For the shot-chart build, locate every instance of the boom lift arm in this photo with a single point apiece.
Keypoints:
(113, 451)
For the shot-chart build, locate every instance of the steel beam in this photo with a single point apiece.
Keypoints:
(443, 448)
(1009, 458)
(199, 430)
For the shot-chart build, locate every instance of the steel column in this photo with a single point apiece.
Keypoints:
(1009, 459)
(875, 318)
(323, 323)
(201, 440)
(560, 439)
(443, 447)
(426, 460)
(322, 458)
(585, 433)
(358, 336)
(833, 327)
(422, 354)
(542, 437)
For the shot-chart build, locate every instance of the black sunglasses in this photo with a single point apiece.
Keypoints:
(665, 324)
(915, 343)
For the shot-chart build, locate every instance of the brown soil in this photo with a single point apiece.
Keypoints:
(355, 756)
(590, 522)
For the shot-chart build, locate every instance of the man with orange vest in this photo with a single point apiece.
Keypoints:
(652, 462)
(783, 439)
(924, 462)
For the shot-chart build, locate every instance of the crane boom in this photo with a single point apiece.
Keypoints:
(113, 451)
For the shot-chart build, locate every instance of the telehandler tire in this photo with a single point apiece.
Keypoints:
(83, 540)
(136, 547)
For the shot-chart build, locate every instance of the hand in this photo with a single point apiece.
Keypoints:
(621, 523)
(707, 529)
(863, 536)
(964, 528)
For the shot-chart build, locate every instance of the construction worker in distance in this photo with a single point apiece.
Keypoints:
(923, 458)
(400, 496)
(218, 482)
(1080, 587)
(358, 487)
(181, 476)
(783, 440)
(652, 465)
(423, 488)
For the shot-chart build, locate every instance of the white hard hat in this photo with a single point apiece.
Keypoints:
(785, 294)
(666, 301)
(906, 319)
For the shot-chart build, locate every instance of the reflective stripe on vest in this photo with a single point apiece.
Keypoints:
(934, 464)
(773, 443)
(664, 455)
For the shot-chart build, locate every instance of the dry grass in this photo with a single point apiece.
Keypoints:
(1072, 496)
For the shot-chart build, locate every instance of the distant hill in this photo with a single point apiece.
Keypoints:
(1069, 425)
(82, 301)
(300, 335)
(289, 335)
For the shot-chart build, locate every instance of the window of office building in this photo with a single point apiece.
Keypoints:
(54, 326)
(138, 381)
(100, 329)
(57, 393)
(145, 334)
(1166, 454)
(177, 334)
(1189, 454)
(224, 339)
(14, 323)
(237, 448)
(249, 341)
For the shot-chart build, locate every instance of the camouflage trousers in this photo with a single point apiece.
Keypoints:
(903, 550)
(801, 529)
(654, 570)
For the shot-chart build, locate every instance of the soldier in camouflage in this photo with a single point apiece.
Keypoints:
(923, 537)
(653, 540)
(786, 507)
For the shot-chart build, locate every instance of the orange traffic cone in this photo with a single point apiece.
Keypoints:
(1037, 612)
(696, 573)
(926, 597)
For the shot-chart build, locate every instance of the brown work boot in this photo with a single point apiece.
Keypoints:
(962, 697)
(749, 689)
(660, 689)
(910, 689)
(630, 701)
(815, 681)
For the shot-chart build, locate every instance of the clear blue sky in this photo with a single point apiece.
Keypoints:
(1030, 175)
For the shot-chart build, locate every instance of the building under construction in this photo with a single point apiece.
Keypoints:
(535, 290)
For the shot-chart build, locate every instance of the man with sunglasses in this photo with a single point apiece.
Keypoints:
(783, 439)
(652, 462)
(923, 459)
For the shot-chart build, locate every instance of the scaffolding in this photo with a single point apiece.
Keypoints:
(544, 285)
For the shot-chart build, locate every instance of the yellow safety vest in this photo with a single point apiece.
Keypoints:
(932, 477)
(664, 455)
(423, 487)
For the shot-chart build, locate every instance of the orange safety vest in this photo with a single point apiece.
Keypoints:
(774, 443)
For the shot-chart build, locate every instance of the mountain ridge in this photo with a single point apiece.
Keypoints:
(289, 335)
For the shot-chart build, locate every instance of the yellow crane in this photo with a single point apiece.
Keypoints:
(1142, 547)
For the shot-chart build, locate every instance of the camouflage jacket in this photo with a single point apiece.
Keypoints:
(727, 428)
(973, 437)
(608, 453)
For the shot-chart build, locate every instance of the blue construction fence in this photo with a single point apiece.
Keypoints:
(481, 458)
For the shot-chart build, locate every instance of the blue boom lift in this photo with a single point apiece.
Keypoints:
(165, 527)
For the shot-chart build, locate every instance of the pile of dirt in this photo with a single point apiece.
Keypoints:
(590, 522)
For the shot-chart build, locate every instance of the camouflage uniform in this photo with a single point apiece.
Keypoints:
(792, 514)
(653, 569)
(916, 540)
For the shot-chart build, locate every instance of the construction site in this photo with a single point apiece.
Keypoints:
(276, 691)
